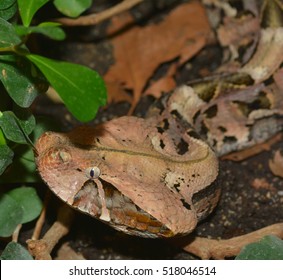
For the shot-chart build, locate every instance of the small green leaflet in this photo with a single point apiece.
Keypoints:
(16, 128)
(29, 201)
(5, 4)
(49, 29)
(10, 215)
(21, 79)
(28, 8)
(8, 8)
(18, 206)
(6, 157)
(8, 35)
(72, 8)
(15, 251)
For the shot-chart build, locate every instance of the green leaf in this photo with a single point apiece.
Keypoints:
(15, 128)
(6, 157)
(28, 199)
(8, 8)
(49, 29)
(268, 248)
(25, 118)
(72, 8)
(2, 138)
(23, 168)
(18, 206)
(21, 79)
(8, 35)
(5, 4)
(28, 8)
(15, 251)
(81, 88)
(11, 214)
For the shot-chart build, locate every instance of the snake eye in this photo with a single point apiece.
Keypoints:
(92, 172)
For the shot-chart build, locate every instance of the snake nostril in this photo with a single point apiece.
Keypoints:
(64, 156)
(57, 156)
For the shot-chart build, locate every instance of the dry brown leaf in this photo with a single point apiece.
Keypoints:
(268, 56)
(276, 164)
(238, 31)
(116, 93)
(139, 51)
(165, 84)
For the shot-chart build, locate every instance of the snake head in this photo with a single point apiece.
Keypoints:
(136, 180)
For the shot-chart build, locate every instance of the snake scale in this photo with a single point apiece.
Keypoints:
(157, 176)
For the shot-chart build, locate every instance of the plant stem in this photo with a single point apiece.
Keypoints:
(15, 49)
(93, 19)
(8, 49)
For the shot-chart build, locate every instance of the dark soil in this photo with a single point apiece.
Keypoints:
(242, 207)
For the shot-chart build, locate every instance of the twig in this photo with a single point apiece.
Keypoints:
(41, 219)
(93, 19)
(42, 248)
(254, 150)
(219, 249)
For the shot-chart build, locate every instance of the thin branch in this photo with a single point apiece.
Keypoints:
(41, 249)
(41, 219)
(93, 19)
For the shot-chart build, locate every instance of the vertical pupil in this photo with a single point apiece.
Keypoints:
(91, 173)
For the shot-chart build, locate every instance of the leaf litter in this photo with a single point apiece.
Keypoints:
(139, 51)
